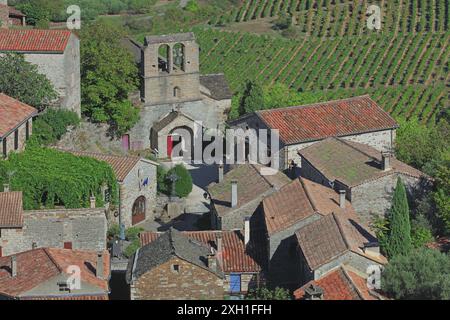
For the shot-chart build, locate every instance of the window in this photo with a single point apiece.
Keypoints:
(235, 283)
(176, 268)
(5, 147)
(16, 139)
(63, 287)
(27, 130)
(176, 92)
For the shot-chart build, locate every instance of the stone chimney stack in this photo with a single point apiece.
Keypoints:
(6, 187)
(220, 168)
(92, 202)
(342, 199)
(13, 266)
(219, 243)
(100, 263)
(212, 262)
(234, 193)
(313, 292)
(385, 161)
(246, 231)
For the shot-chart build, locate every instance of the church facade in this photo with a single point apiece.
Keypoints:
(175, 96)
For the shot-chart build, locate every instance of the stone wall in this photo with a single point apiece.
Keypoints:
(85, 228)
(190, 283)
(158, 87)
(4, 15)
(22, 129)
(131, 189)
(373, 198)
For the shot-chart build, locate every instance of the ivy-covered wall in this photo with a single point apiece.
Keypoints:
(49, 178)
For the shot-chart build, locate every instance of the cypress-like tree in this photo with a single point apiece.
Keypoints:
(399, 242)
(253, 98)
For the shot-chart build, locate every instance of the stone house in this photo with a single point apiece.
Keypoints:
(171, 81)
(175, 267)
(241, 255)
(22, 230)
(137, 187)
(295, 205)
(46, 274)
(357, 119)
(341, 283)
(10, 16)
(367, 175)
(56, 53)
(16, 124)
(334, 240)
(239, 194)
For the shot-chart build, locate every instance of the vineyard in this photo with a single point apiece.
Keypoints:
(331, 18)
(406, 74)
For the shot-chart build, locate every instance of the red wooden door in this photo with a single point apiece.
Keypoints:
(67, 245)
(138, 213)
(126, 142)
(169, 146)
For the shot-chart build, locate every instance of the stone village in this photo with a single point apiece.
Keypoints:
(306, 228)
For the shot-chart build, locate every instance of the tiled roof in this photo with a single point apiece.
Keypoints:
(339, 284)
(11, 210)
(34, 40)
(235, 257)
(13, 113)
(327, 119)
(350, 162)
(331, 236)
(299, 200)
(38, 266)
(122, 165)
(217, 85)
(167, 119)
(251, 185)
(167, 245)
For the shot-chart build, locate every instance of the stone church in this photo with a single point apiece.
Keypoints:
(175, 95)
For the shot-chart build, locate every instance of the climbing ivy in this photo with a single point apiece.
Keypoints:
(49, 178)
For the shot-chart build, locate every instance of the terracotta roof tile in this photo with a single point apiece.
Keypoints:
(350, 162)
(235, 257)
(30, 40)
(37, 266)
(11, 209)
(331, 236)
(251, 185)
(122, 165)
(338, 285)
(13, 113)
(327, 119)
(299, 200)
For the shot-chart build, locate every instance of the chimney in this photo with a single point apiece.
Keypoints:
(386, 161)
(212, 263)
(313, 292)
(372, 249)
(219, 243)
(13, 266)
(100, 262)
(342, 199)
(6, 187)
(220, 167)
(92, 202)
(246, 231)
(234, 193)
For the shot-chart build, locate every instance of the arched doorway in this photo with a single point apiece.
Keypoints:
(180, 143)
(138, 212)
(164, 59)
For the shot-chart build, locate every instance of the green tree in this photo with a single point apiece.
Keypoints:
(442, 193)
(268, 294)
(252, 99)
(399, 241)
(108, 75)
(423, 274)
(22, 81)
(51, 125)
(38, 11)
(183, 185)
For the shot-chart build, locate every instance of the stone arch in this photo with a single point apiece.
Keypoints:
(179, 56)
(182, 139)
(176, 92)
(164, 58)
(138, 210)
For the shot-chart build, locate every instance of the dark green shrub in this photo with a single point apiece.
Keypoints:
(183, 186)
